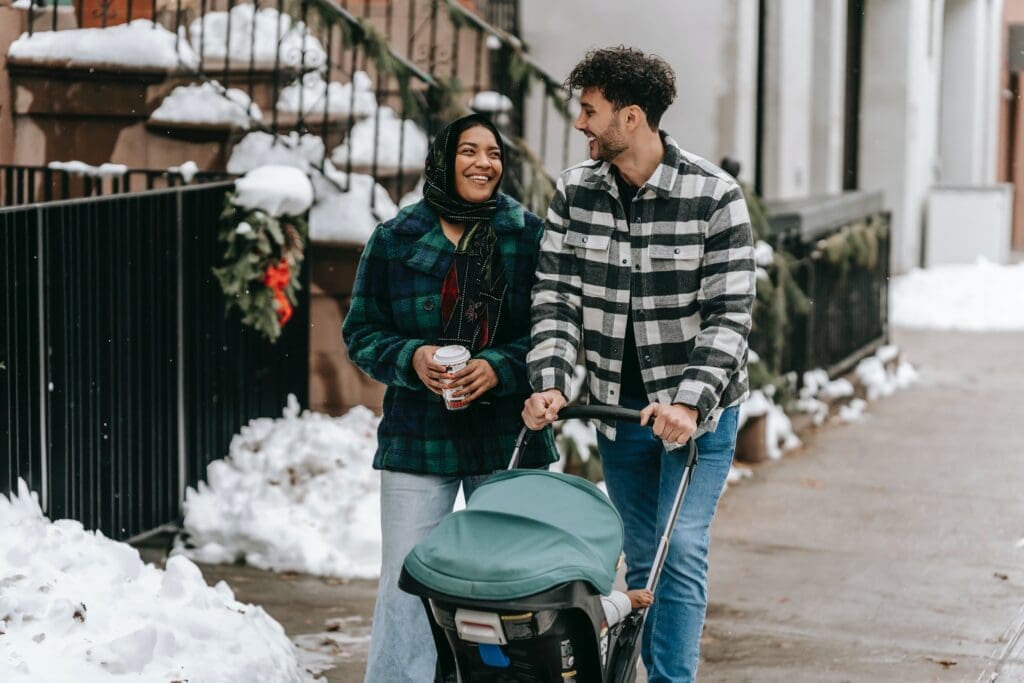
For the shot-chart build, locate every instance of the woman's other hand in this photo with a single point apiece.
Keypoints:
(472, 381)
(432, 374)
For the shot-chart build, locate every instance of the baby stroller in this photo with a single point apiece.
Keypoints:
(513, 585)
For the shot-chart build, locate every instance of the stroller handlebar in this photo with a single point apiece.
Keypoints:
(587, 412)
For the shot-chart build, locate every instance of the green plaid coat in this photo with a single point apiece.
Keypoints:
(396, 308)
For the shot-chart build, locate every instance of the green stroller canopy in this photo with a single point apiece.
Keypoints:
(522, 532)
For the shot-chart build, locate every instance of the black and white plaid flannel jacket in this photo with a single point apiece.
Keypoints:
(686, 266)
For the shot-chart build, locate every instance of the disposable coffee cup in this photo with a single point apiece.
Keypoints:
(453, 358)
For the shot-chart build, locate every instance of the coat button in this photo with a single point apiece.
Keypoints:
(428, 305)
(584, 240)
(677, 251)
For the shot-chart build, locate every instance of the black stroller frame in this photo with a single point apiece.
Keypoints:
(570, 654)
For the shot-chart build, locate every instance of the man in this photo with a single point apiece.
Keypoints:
(647, 266)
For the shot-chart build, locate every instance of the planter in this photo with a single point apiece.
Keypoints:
(751, 444)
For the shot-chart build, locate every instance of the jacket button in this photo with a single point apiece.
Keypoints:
(677, 251)
(428, 305)
(584, 240)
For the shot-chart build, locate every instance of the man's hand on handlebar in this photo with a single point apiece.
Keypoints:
(541, 408)
(674, 422)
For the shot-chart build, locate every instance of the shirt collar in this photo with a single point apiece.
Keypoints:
(662, 181)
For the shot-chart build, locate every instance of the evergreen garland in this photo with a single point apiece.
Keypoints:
(778, 301)
(262, 261)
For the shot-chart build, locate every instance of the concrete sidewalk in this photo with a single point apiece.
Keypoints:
(886, 550)
(882, 551)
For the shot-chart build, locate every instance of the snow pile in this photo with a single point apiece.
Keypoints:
(138, 44)
(979, 297)
(82, 168)
(395, 143)
(296, 493)
(778, 433)
(311, 89)
(275, 190)
(76, 606)
(255, 43)
(880, 375)
(878, 381)
(489, 101)
(207, 103)
(257, 149)
(343, 210)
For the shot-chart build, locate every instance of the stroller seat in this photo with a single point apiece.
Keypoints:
(518, 586)
(522, 532)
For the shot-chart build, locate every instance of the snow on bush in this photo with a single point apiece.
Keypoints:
(77, 606)
(275, 190)
(396, 143)
(312, 90)
(207, 103)
(138, 44)
(256, 43)
(295, 493)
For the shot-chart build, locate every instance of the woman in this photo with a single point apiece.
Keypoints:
(455, 268)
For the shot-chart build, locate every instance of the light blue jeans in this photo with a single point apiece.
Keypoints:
(642, 479)
(411, 505)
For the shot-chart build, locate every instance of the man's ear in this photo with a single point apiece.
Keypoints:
(635, 117)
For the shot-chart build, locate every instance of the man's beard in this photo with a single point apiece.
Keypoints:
(610, 144)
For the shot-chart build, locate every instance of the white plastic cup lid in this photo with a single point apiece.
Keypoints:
(451, 355)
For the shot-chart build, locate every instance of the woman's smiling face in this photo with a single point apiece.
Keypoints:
(478, 164)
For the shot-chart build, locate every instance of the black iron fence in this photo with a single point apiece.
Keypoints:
(848, 293)
(120, 375)
(21, 185)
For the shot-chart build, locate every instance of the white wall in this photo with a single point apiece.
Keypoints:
(789, 64)
(899, 114)
(713, 53)
(970, 95)
(829, 95)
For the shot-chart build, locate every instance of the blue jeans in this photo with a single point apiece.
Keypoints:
(411, 505)
(642, 479)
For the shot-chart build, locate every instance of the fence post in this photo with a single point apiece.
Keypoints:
(180, 357)
(44, 385)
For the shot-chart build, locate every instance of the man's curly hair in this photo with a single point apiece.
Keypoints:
(626, 76)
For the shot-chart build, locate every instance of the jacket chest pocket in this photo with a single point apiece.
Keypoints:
(593, 255)
(676, 269)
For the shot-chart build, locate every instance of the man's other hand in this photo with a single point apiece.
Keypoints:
(673, 423)
(542, 408)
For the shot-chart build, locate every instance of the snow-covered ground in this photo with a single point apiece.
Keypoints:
(979, 297)
(295, 493)
(76, 606)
